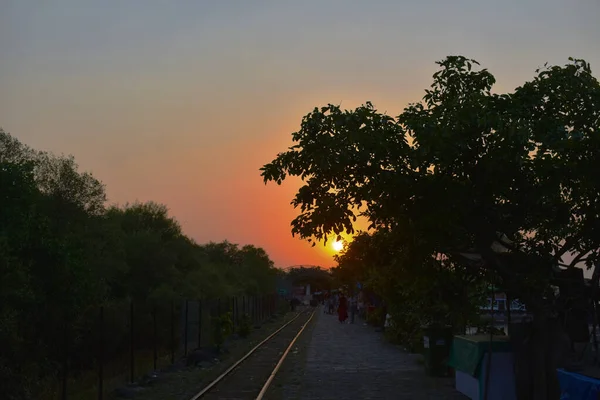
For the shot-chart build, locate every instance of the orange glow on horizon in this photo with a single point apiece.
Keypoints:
(191, 131)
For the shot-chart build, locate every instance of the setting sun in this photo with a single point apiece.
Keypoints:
(338, 245)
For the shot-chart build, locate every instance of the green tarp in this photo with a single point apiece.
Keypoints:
(468, 351)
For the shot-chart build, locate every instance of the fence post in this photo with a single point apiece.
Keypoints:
(132, 344)
(65, 367)
(236, 304)
(154, 337)
(199, 323)
(233, 321)
(219, 307)
(172, 331)
(243, 305)
(185, 333)
(101, 354)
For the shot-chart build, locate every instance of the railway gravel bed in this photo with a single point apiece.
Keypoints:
(181, 382)
(246, 381)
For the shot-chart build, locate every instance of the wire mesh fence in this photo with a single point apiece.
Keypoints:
(111, 346)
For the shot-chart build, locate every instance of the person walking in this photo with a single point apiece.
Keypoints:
(352, 308)
(343, 309)
(331, 305)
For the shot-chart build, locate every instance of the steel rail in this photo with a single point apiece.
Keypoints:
(265, 387)
(217, 380)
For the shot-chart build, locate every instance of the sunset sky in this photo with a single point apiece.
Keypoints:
(182, 101)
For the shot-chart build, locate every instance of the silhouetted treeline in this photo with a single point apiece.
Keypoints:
(63, 252)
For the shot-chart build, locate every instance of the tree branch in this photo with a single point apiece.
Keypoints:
(578, 259)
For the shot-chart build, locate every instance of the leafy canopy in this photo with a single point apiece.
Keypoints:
(460, 166)
(63, 254)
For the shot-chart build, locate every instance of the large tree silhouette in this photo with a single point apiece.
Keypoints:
(503, 182)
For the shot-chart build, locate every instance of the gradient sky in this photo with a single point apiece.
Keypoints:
(181, 102)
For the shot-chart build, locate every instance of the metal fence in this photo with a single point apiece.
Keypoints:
(112, 346)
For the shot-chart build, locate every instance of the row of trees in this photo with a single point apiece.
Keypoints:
(464, 187)
(63, 252)
(418, 291)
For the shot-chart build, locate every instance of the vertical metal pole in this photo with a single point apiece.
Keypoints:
(154, 337)
(233, 314)
(353, 303)
(237, 310)
(185, 333)
(199, 323)
(131, 345)
(243, 305)
(508, 316)
(65, 368)
(172, 332)
(101, 354)
(489, 360)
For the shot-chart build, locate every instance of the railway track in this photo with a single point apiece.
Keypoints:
(251, 376)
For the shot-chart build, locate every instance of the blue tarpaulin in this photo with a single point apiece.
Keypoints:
(577, 387)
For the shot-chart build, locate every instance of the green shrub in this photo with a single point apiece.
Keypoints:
(375, 317)
(222, 328)
(245, 326)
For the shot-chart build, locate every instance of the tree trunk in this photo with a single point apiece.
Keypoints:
(539, 361)
(541, 349)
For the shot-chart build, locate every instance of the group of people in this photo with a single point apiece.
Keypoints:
(340, 303)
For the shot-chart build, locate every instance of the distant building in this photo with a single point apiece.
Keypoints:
(284, 286)
(500, 304)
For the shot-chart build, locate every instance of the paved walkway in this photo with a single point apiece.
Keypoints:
(352, 361)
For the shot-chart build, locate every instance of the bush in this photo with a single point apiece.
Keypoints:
(222, 328)
(406, 331)
(245, 326)
(375, 317)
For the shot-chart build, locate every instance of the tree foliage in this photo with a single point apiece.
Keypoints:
(418, 289)
(63, 254)
(317, 277)
(460, 167)
(501, 182)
